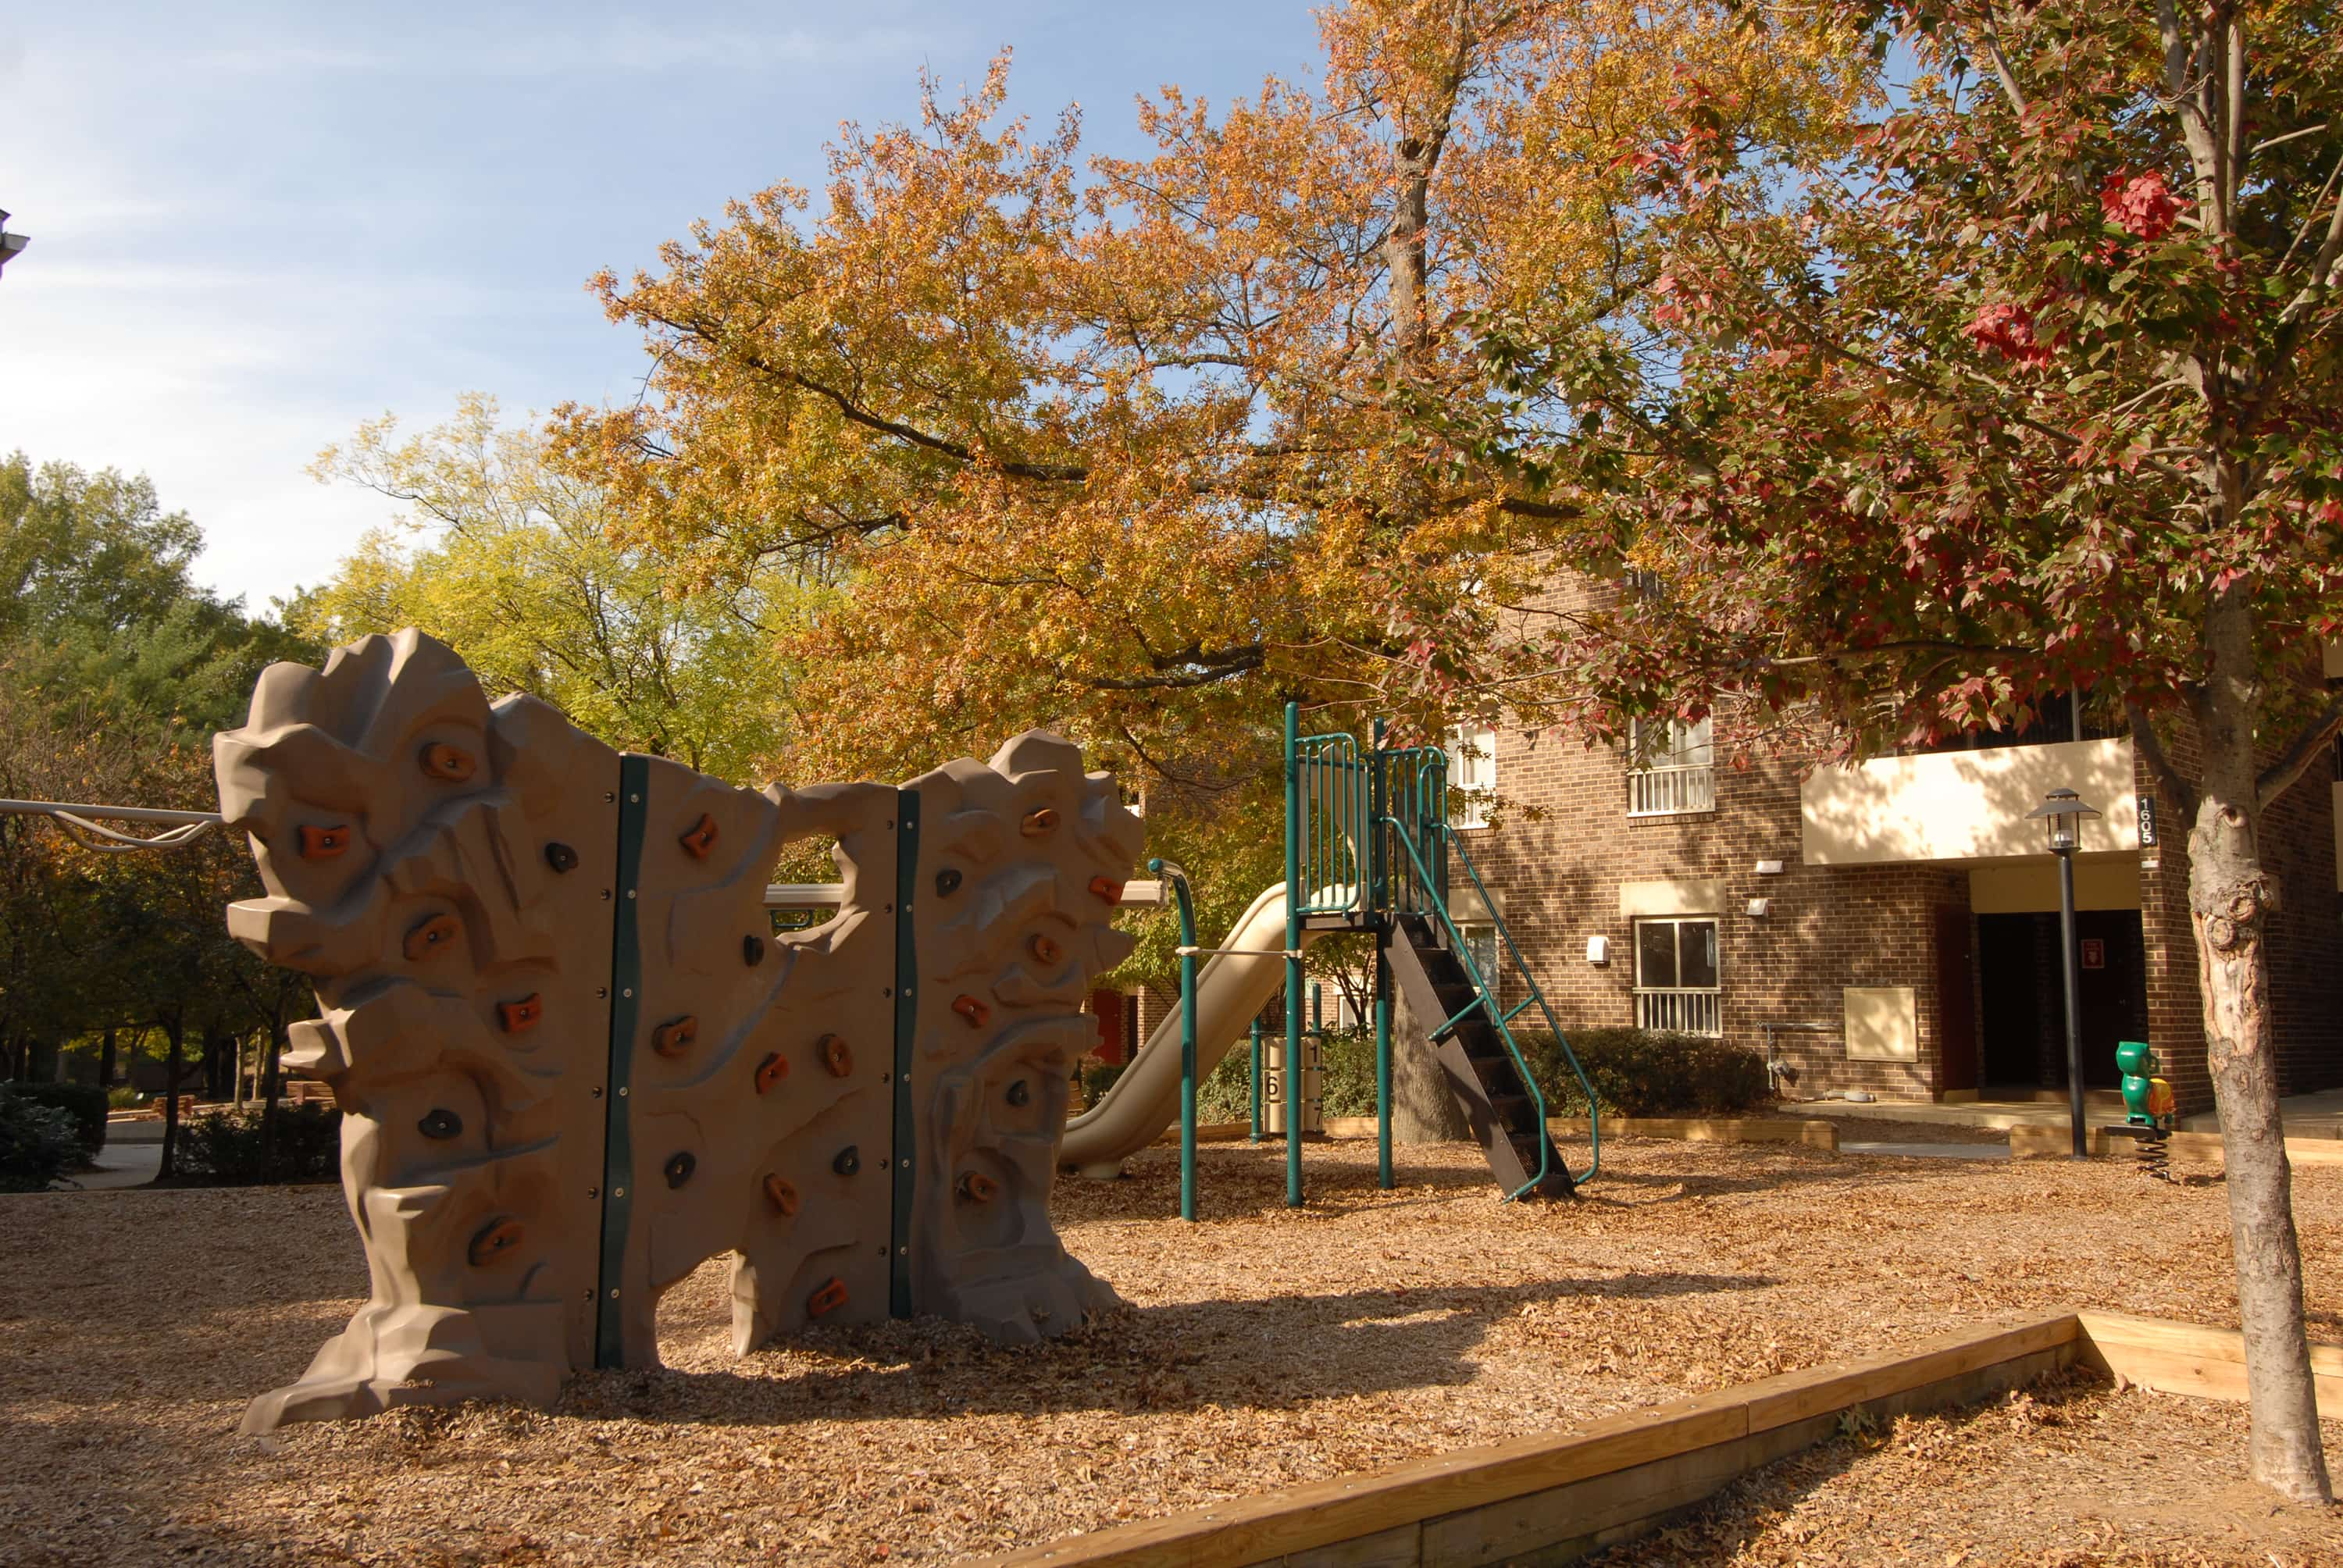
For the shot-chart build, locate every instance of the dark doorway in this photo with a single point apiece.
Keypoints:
(2024, 1017)
(1956, 998)
(1109, 1007)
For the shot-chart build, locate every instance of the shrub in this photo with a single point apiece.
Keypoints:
(84, 1105)
(231, 1149)
(37, 1143)
(1647, 1072)
(1098, 1077)
(122, 1097)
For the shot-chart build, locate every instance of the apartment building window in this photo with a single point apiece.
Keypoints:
(1676, 976)
(1472, 775)
(1670, 768)
(1481, 943)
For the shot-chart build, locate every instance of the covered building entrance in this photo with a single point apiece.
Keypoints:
(2022, 1011)
(2022, 1020)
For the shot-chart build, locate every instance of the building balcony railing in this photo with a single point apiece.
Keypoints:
(1680, 1011)
(1665, 791)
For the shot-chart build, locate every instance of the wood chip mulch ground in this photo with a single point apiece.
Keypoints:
(1262, 1347)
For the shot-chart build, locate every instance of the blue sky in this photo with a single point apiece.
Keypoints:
(253, 227)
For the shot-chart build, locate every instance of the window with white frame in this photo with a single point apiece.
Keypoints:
(1481, 943)
(1671, 768)
(1472, 775)
(1676, 979)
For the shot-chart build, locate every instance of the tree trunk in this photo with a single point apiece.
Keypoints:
(2230, 897)
(106, 1062)
(1424, 1109)
(175, 1028)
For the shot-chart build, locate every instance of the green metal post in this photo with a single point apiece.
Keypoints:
(1179, 881)
(1294, 894)
(1383, 1070)
(1256, 1080)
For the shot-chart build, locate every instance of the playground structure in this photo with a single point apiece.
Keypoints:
(576, 1060)
(1368, 833)
(583, 1044)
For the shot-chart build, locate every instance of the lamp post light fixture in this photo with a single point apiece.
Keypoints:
(10, 244)
(2062, 811)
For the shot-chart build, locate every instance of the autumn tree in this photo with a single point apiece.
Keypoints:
(2031, 388)
(511, 562)
(1111, 444)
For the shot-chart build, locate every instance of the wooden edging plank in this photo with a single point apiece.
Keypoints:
(1255, 1529)
(2191, 1359)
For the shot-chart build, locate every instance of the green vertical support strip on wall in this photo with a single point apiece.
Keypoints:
(907, 1021)
(1293, 897)
(618, 1143)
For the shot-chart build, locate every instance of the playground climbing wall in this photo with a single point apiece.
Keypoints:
(576, 1060)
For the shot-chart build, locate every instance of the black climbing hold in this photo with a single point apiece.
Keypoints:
(678, 1167)
(752, 950)
(1018, 1092)
(440, 1124)
(947, 880)
(848, 1160)
(561, 857)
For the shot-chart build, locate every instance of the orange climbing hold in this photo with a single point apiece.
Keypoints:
(674, 1037)
(1044, 951)
(495, 1238)
(701, 839)
(430, 936)
(978, 1187)
(782, 1196)
(451, 764)
(1038, 823)
(828, 1299)
(1106, 887)
(836, 1055)
(324, 843)
(772, 1070)
(520, 1017)
(969, 1008)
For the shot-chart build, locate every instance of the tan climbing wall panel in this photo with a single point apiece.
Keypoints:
(445, 873)
(1019, 866)
(575, 1061)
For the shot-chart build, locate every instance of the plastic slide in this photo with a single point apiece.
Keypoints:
(1231, 989)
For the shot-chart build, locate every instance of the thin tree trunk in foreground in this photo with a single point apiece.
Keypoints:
(2230, 899)
(176, 1031)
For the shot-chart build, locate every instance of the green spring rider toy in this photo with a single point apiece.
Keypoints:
(2148, 1106)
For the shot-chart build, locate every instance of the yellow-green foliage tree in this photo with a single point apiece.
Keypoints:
(1115, 445)
(526, 570)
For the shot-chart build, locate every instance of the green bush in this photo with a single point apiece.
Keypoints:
(1647, 1072)
(1635, 1072)
(122, 1097)
(84, 1105)
(230, 1147)
(1098, 1077)
(37, 1143)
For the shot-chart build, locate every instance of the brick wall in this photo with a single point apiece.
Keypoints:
(2304, 941)
(1556, 858)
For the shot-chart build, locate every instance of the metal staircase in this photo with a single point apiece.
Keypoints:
(1370, 846)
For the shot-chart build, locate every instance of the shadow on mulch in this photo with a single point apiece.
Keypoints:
(1270, 1353)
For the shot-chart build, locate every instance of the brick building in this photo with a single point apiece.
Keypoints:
(1892, 927)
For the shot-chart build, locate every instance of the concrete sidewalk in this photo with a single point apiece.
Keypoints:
(2318, 1115)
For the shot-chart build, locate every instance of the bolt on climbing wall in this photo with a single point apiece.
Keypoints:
(575, 1061)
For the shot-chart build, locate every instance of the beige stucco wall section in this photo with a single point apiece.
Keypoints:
(1674, 895)
(1883, 1023)
(1964, 805)
(2020, 889)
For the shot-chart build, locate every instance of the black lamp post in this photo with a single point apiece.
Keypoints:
(2062, 811)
